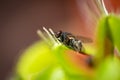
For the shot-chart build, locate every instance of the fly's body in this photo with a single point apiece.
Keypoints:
(69, 40)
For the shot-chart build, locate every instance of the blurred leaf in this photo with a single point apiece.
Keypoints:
(107, 39)
(109, 69)
(42, 62)
(35, 59)
(104, 39)
(114, 23)
(60, 52)
(108, 36)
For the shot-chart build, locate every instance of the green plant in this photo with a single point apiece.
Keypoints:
(48, 61)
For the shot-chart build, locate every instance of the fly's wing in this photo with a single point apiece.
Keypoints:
(84, 39)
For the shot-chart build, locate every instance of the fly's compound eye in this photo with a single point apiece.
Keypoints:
(58, 34)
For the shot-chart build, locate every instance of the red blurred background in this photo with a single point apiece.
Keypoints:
(19, 21)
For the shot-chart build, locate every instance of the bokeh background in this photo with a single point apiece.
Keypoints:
(20, 19)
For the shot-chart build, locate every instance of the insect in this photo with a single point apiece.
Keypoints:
(71, 41)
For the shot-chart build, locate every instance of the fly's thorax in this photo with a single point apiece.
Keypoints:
(63, 37)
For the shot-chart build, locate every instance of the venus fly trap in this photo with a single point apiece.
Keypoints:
(66, 39)
(50, 58)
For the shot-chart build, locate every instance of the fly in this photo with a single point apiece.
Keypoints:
(69, 40)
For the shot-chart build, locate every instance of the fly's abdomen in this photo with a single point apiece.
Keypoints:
(77, 45)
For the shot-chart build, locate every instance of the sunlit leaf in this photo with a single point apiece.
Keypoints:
(109, 70)
(35, 59)
(114, 23)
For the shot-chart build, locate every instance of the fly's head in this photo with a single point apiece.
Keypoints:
(59, 36)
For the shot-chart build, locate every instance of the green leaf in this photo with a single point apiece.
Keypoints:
(108, 36)
(109, 70)
(114, 23)
(35, 59)
(108, 65)
(43, 62)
